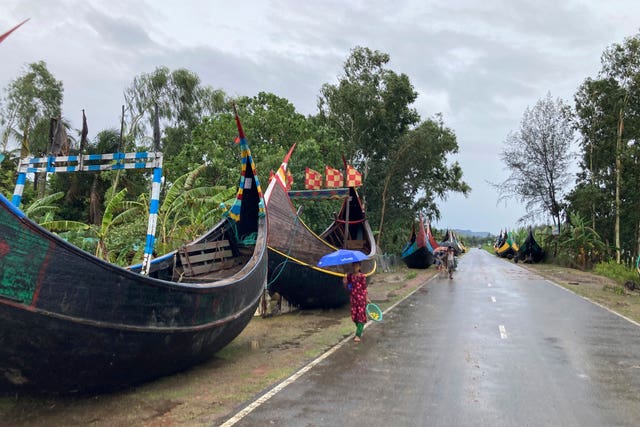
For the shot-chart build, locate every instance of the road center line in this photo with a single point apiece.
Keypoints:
(493, 299)
(503, 332)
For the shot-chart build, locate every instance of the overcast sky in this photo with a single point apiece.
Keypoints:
(479, 63)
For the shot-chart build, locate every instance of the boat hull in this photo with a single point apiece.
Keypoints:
(73, 356)
(304, 286)
(420, 258)
(70, 322)
(294, 251)
(73, 323)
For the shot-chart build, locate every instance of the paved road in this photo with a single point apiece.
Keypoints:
(495, 346)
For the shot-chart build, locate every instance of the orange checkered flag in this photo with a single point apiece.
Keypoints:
(312, 179)
(289, 179)
(354, 178)
(333, 178)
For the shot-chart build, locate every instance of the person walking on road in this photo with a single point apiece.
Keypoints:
(358, 299)
(451, 259)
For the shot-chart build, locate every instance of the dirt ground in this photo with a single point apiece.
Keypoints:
(269, 350)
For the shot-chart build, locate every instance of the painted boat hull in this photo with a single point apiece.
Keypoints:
(73, 323)
(420, 258)
(294, 250)
(303, 286)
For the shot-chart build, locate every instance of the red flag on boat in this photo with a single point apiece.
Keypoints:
(354, 178)
(312, 179)
(289, 179)
(333, 177)
(5, 35)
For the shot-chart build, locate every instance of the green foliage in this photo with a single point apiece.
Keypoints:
(31, 99)
(366, 118)
(182, 103)
(42, 210)
(369, 116)
(188, 209)
(411, 275)
(580, 243)
(608, 118)
(618, 272)
(618, 290)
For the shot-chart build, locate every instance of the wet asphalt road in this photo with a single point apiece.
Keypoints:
(495, 346)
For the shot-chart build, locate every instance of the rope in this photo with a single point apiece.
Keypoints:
(280, 267)
(249, 239)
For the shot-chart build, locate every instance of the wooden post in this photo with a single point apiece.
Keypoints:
(346, 221)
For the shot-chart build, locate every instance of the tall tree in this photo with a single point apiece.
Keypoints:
(608, 118)
(182, 102)
(420, 168)
(538, 156)
(32, 98)
(369, 108)
(621, 63)
(369, 115)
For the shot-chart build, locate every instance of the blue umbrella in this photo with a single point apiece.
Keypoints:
(341, 256)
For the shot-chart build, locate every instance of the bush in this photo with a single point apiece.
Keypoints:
(618, 272)
(618, 290)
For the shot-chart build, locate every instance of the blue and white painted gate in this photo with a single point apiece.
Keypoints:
(97, 163)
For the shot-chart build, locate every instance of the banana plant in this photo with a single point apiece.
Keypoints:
(581, 242)
(42, 210)
(117, 211)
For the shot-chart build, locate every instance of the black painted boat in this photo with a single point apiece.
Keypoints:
(294, 249)
(451, 239)
(417, 253)
(530, 251)
(71, 322)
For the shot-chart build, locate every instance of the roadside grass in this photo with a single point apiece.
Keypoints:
(618, 272)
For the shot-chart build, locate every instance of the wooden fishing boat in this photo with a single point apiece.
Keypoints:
(452, 240)
(294, 249)
(505, 246)
(432, 243)
(71, 322)
(530, 251)
(417, 253)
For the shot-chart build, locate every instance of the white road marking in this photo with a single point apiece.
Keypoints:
(493, 299)
(489, 284)
(503, 332)
(268, 395)
(593, 302)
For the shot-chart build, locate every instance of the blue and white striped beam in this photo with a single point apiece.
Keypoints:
(17, 191)
(154, 206)
(90, 162)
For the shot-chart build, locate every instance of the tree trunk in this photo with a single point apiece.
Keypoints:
(593, 185)
(638, 247)
(382, 208)
(616, 230)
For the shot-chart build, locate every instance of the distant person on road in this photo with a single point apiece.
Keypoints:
(451, 259)
(439, 255)
(359, 298)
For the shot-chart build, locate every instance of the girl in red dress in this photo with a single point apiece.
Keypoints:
(359, 298)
